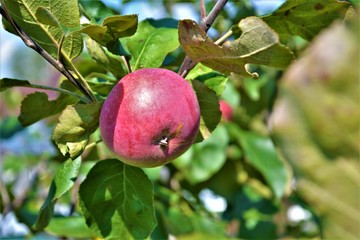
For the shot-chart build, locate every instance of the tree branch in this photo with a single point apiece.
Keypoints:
(202, 10)
(29, 42)
(206, 23)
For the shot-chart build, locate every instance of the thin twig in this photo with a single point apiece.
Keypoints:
(187, 64)
(33, 45)
(202, 10)
(5, 197)
(210, 19)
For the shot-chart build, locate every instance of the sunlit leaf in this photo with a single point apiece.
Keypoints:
(47, 32)
(305, 18)
(149, 46)
(76, 124)
(258, 44)
(117, 200)
(62, 182)
(212, 79)
(71, 227)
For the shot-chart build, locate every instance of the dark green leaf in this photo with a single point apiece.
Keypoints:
(111, 28)
(204, 159)
(150, 45)
(6, 83)
(62, 182)
(305, 18)
(96, 9)
(47, 35)
(117, 201)
(261, 153)
(212, 79)
(76, 124)
(36, 106)
(258, 44)
(209, 109)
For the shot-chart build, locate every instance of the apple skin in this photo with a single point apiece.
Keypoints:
(150, 117)
(226, 110)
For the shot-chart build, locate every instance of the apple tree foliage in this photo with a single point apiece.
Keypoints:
(291, 78)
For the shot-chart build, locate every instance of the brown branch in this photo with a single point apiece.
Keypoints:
(206, 23)
(29, 42)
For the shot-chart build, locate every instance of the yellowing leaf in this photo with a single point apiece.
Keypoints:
(75, 125)
(258, 44)
(37, 106)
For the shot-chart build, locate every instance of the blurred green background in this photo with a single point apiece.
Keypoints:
(285, 166)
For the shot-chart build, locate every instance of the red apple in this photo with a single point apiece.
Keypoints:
(226, 110)
(150, 117)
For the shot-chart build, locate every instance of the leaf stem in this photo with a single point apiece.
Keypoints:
(93, 144)
(206, 23)
(224, 37)
(29, 42)
(60, 90)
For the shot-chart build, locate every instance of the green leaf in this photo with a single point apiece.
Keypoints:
(149, 46)
(305, 18)
(48, 33)
(96, 9)
(112, 62)
(111, 28)
(36, 106)
(204, 159)
(212, 79)
(76, 124)
(62, 182)
(71, 227)
(261, 153)
(209, 109)
(258, 44)
(44, 16)
(117, 201)
(252, 87)
(6, 83)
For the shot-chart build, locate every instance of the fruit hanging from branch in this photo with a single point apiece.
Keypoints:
(150, 117)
